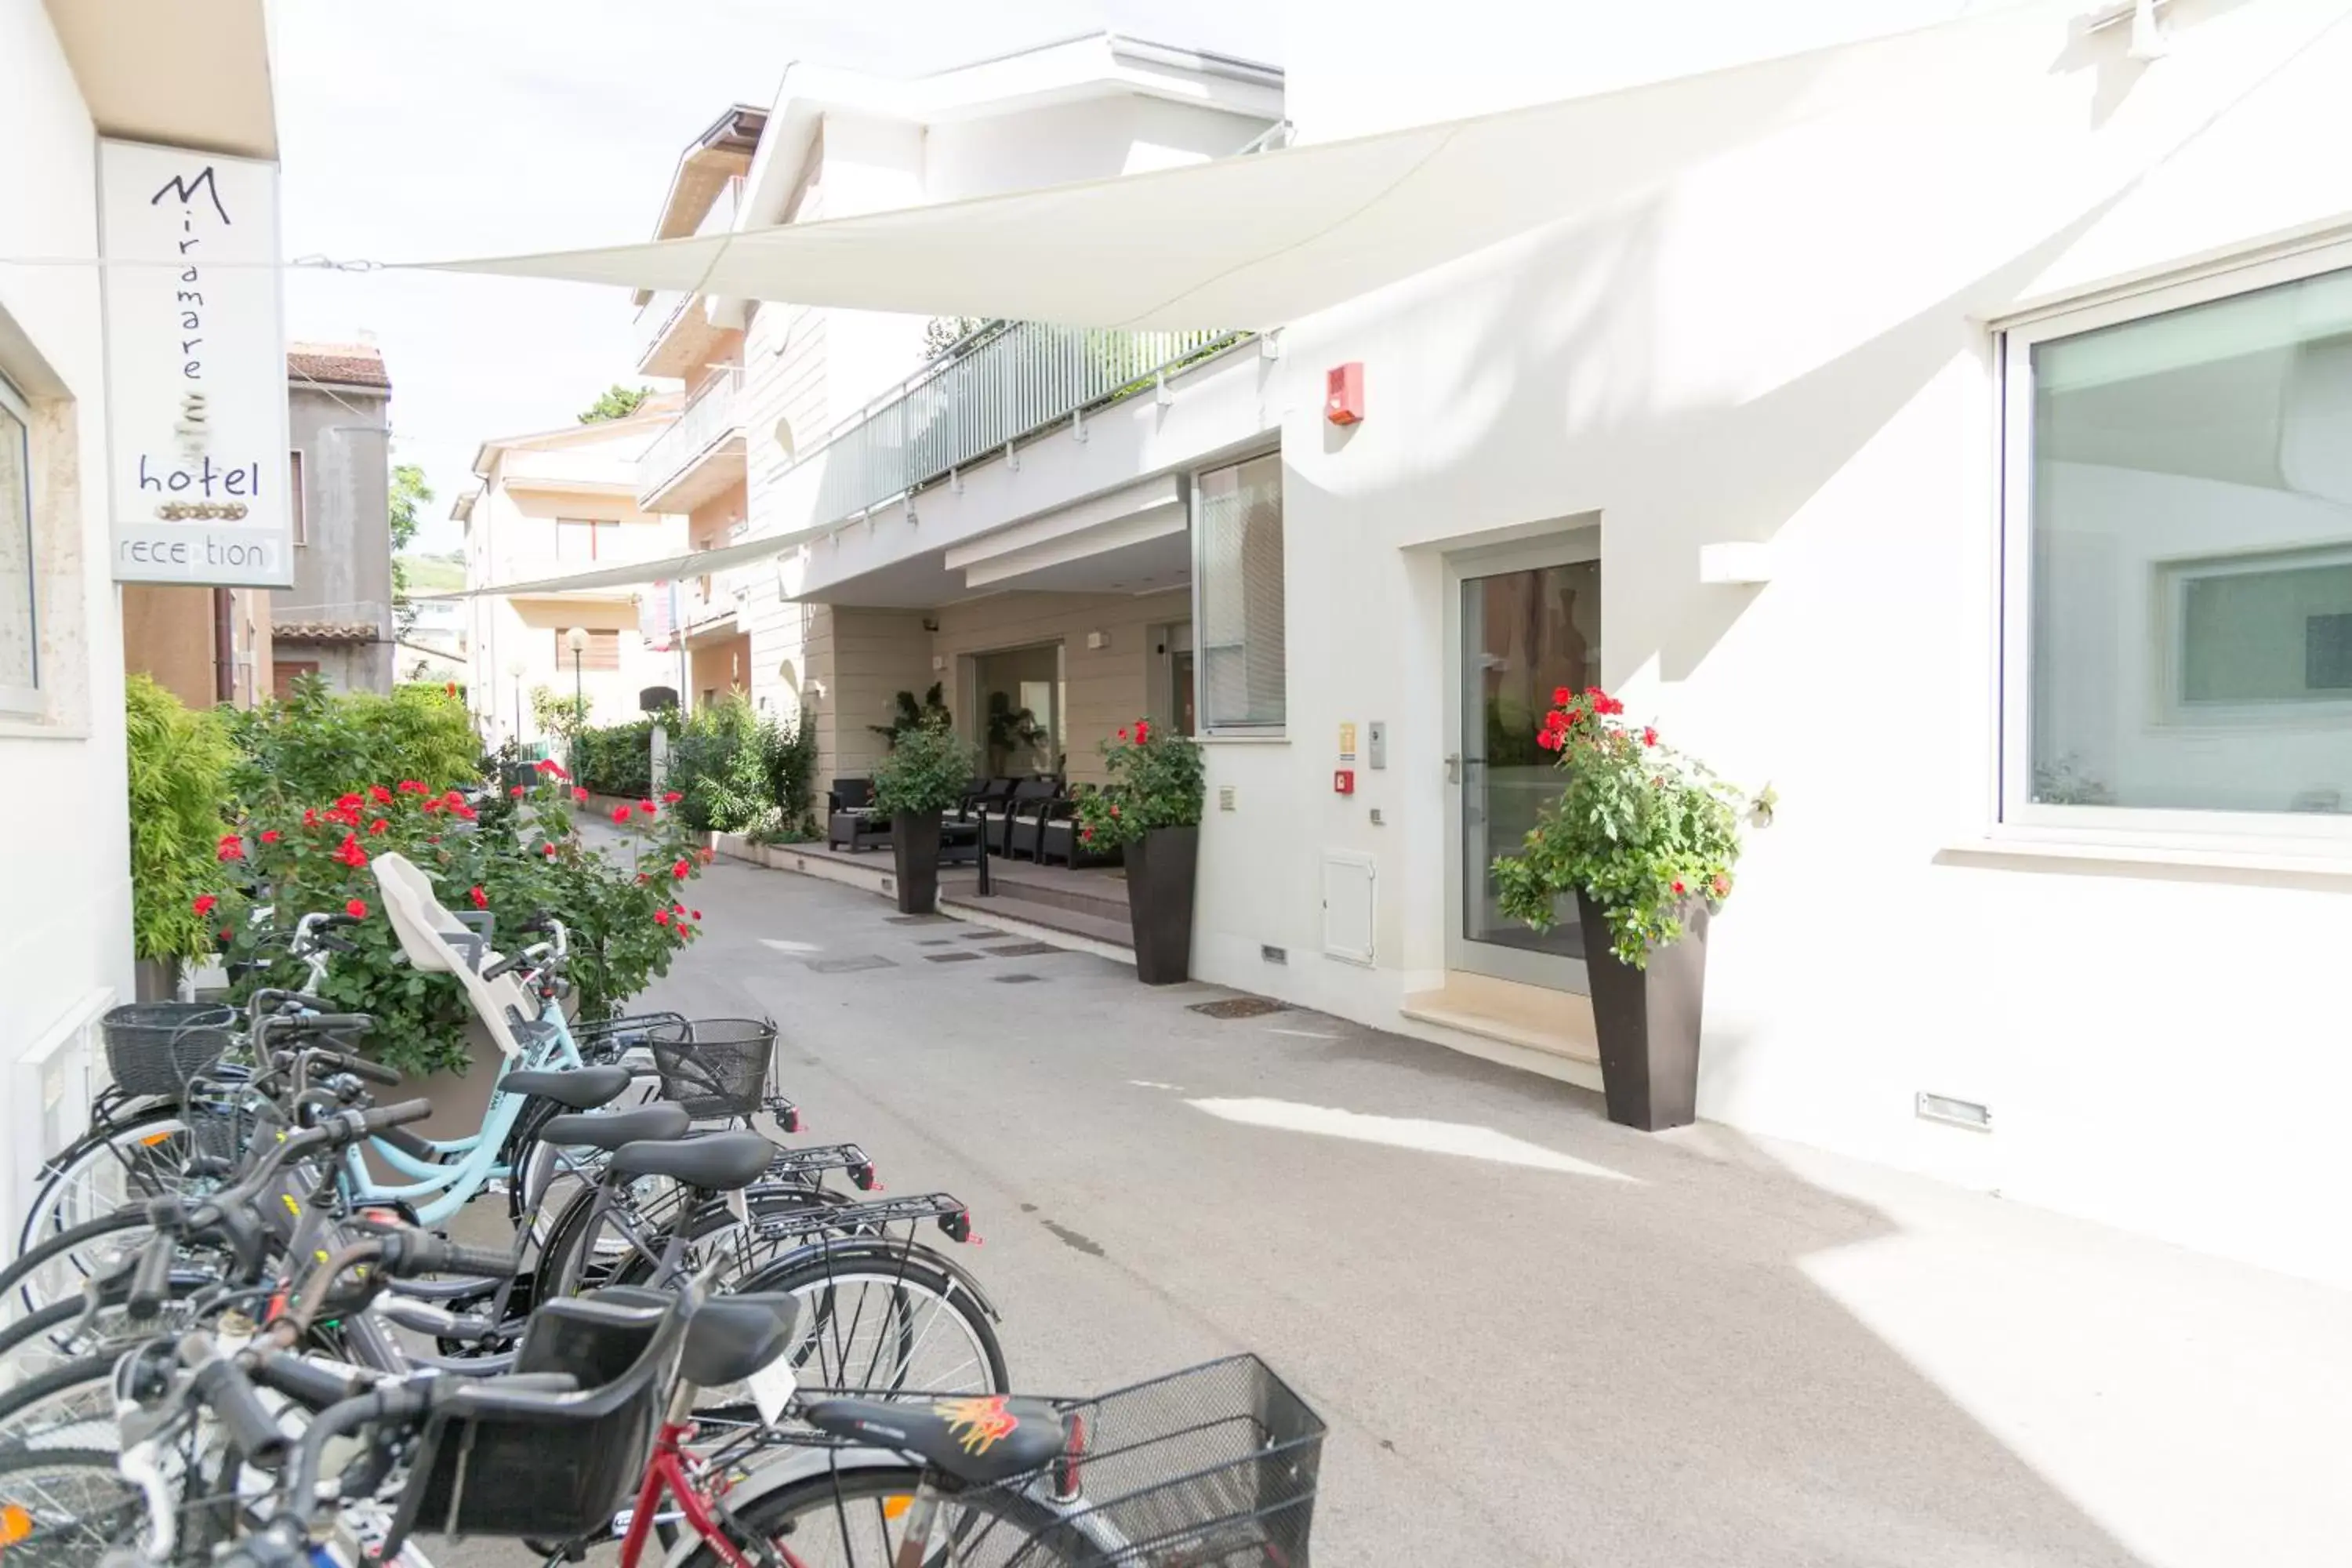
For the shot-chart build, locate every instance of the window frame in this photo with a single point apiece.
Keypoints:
(298, 489)
(2017, 814)
(24, 702)
(1208, 730)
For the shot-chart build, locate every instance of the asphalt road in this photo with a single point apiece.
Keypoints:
(1538, 1338)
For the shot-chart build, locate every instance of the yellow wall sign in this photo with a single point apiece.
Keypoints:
(1347, 742)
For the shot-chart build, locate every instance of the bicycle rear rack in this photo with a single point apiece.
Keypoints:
(953, 1219)
(796, 1164)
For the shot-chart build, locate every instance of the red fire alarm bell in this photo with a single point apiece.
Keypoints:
(1343, 781)
(1343, 393)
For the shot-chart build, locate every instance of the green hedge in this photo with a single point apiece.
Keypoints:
(617, 759)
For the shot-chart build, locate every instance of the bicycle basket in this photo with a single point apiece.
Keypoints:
(555, 1476)
(156, 1048)
(714, 1067)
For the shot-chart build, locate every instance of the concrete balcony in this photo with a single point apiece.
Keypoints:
(709, 607)
(702, 453)
(675, 333)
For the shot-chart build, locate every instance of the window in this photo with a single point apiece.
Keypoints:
(602, 652)
(300, 502)
(2179, 507)
(583, 539)
(1237, 578)
(19, 643)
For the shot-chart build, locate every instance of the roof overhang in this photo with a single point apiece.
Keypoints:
(180, 73)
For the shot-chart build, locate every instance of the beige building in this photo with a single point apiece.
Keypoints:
(554, 504)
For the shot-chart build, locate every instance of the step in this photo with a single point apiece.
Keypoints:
(1112, 939)
(1070, 890)
(1555, 1024)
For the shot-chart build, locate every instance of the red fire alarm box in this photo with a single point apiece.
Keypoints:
(1343, 781)
(1343, 393)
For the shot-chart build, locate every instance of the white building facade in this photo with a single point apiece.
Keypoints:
(189, 75)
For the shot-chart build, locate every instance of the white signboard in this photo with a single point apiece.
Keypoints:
(196, 368)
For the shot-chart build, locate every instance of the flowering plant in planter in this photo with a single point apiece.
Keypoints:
(515, 855)
(1638, 829)
(1156, 780)
(928, 769)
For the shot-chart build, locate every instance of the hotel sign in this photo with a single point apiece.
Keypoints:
(196, 368)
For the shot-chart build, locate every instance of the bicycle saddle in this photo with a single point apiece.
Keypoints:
(718, 1162)
(581, 1088)
(977, 1440)
(660, 1122)
(731, 1337)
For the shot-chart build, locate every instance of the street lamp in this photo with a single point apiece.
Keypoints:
(576, 640)
(516, 669)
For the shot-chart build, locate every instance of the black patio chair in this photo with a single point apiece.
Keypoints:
(850, 820)
(1025, 816)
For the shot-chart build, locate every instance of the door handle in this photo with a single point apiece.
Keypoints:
(1454, 767)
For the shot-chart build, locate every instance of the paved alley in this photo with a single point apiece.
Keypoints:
(1540, 1338)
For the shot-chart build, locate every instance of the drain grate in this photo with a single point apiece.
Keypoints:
(1023, 950)
(852, 965)
(962, 955)
(919, 919)
(1019, 979)
(1241, 1007)
(934, 941)
(983, 936)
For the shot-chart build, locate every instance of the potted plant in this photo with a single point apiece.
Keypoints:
(925, 775)
(1151, 810)
(1012, 732)
(179, 769)
(1644, 838)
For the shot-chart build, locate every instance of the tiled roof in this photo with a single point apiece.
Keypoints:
(340, 365)
(323, 631)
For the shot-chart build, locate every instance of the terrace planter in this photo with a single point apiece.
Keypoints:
(1648, 1021)
(915, 846)
(1160, 876)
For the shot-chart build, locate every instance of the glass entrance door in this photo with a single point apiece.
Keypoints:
(1522, 634)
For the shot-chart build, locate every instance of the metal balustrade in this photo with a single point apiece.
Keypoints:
(709, 414)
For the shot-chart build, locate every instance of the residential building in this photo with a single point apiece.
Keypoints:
(186, 73)
(336, 621)
(784, 403)
(554, 504)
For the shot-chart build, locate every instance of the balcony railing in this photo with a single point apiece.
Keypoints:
(710, 415)
(997, 386)
(697, 609)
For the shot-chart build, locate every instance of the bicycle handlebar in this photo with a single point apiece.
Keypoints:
(221, 1384)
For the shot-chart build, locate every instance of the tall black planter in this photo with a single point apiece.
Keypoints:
(1159, 867)
(1648, 1020)
(915, 846)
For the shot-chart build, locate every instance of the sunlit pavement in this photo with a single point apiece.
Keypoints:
(1539, 1338)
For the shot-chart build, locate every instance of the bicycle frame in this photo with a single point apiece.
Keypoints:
(479, 1165)
(668, 1473)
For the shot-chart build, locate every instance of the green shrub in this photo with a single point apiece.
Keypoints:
(741, 771)
(316, 744)
(617, 759)
(179, 765)
(928, 770)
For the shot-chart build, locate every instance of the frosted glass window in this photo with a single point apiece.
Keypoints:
(20, 660)
(1238, 524)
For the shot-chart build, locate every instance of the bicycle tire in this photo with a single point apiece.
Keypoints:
(21, 1281)
(47, 1327)
(823, 1356)
(564, 1273)
(153, 1124)
(823, 1521)
(70, 1405)
(79, 1507)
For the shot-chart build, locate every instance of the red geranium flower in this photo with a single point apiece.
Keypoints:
(350, 853)
(228, 935)
(1142, 732)
(412, 786)
(1548, 740)
(579, 796)
(698, 914)
(453, 797)
(516, 792)
(682, 869)
(1722, 884)
(550, 765)
(1122, 731)
(450, 689)
(1649, 737)
(204, 905)
(356, 909)
(548, 851)
(646, 806)
(429, 806)
(378, 826)
(481, 900)
(671, 797)
(271, 835)
(661, 917)
(379, 795)
(620, 814)
(1678, 884)
(231, 848)
(309, 818)
(1562, 696)
(348, 802)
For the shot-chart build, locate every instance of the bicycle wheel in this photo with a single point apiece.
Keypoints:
(57, 1268)
(65, 1508)
(585, 1251)
(108, 1168)
(56, 1334)
(883, 1320)
(856, 1519)
(70, 1405)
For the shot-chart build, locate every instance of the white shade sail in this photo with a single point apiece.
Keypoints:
(670, 568)
(1256, 241)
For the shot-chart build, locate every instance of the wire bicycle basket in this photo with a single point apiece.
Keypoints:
(716, 1067)
(161, 1047)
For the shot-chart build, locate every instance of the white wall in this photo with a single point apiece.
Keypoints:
(65, 951)
(1755, 353)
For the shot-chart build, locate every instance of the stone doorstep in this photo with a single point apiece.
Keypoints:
(1045, 922)
(1013, 881)
(1557, 1024)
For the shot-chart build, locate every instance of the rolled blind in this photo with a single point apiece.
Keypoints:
(1238, 512)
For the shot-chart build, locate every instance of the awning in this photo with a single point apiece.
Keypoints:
(1259, 240)
(669, 569)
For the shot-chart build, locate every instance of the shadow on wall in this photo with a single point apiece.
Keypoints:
(1683, 1390)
